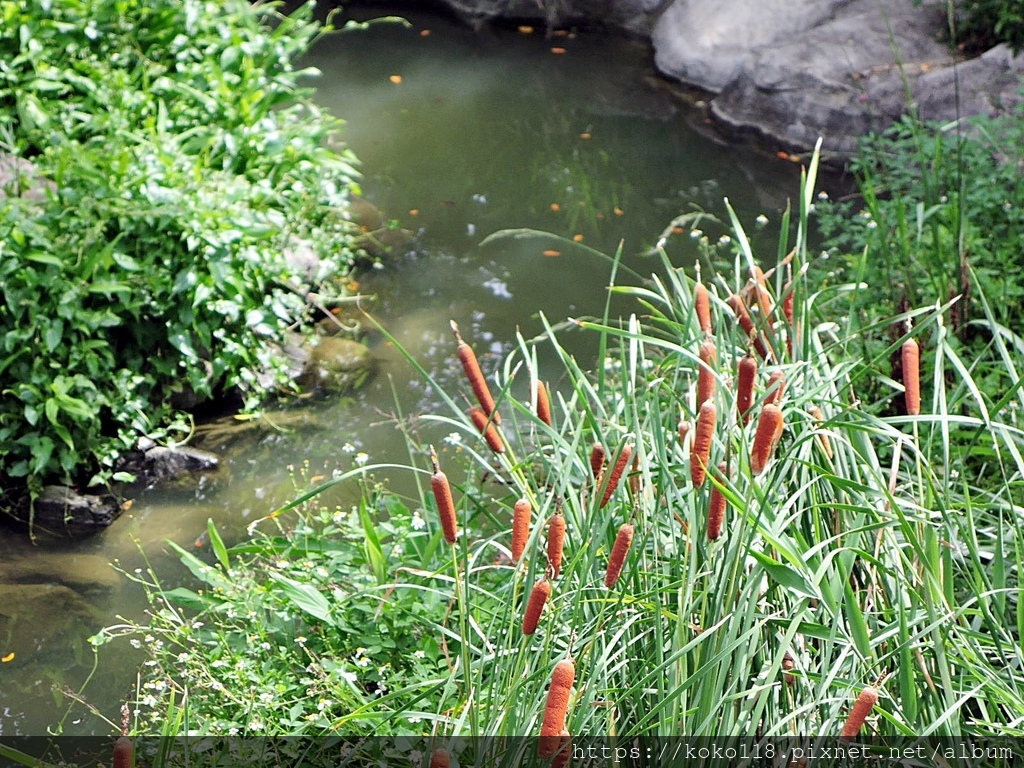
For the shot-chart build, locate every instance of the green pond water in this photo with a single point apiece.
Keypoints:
(460, 135)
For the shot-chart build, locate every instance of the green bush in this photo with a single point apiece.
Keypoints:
(183, 161)
(982, 24)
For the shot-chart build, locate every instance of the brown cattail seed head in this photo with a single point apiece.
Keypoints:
(521, 513)
(475, 376)
(743, 317)
(702, 306)
(706, 374)
(768, 428)
(717, 505)
(597, 459)
(443, 496)
(124, 752)
(788, 665)
(440, 759)
(535, 605)
(861, 709)
(684, 432)
(623, 541)
(553, 724)
(819, 417)
(745, 377)
(487, 429)
(912, 377)
(705, 432)
(776, 388)
(543, 403)
(556, 541)
(616, 474)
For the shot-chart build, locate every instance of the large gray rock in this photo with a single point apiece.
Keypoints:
(62, 510)
(706, 44)
(835, 69)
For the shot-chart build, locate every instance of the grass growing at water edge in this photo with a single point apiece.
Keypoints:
(873, 550)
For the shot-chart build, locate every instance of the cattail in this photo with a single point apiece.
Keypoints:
(623, 541)
(556, 541)
(443, 497)
(684, 432)
(706, 374)
(124, 752)
(440, 759)
(702, 442)
(861, 709)
(765, 438)
(564, 750)
(543, 403)
(745, 377)
(597, 458)
(702, 306)
(475, 376)
(912, 377)
(743, 317)
(487, 429)
(634, 475)
(616, 474)
(764, 299)
(776, 388)
(556, 708)
(819, 417)
(717, 505)
(521, 513)
(787, 302)
(788, 665)
(535, 605)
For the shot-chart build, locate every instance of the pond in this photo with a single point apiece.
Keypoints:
(460, 135)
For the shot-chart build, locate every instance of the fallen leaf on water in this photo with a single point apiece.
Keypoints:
(414, 211)
(559, 33)
(551, 253)
(584, 136)
(782, 155)
(577, 238)
(424, 33)
(555, 207)
(127, 505)
(395, 79)
(8, 657)
(677, 230)
(558, 50)
(618, 211)
(524, 29)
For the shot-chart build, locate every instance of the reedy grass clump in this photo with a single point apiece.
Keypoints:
(871, 560)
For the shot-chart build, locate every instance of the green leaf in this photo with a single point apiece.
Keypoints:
(217, 543)
(305, 597)
(786, 576)
(205, 573)
(186, 598)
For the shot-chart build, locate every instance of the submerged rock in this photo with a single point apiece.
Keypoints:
(78, 571)
(336, 365)
(38, 618)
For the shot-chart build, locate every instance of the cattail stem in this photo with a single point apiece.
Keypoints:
(475, 376)
(861, 709)
(819, 418)
(443, 496)
(623, 541)
(557, 706)
(535, 605)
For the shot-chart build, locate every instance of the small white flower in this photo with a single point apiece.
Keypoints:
(324, 704)
(300, 640)
(418, 523)
(348, 448)
(255, 725)
(724, 240)
(872, 225)
(762, 220)
(823, 195)
(349, 676)
(419, 654)
(453, 438)
(361, 458)
(695, 233)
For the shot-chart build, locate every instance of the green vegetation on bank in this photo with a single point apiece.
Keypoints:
(876, 550)
(178, 162)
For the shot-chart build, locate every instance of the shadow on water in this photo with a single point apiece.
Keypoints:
(460, 135)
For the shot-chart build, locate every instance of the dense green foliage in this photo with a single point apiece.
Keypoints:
(981, 24)
(871, 551)
(182, 160)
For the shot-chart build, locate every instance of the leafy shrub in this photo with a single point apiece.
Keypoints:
(982, 24)
(184, 161)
